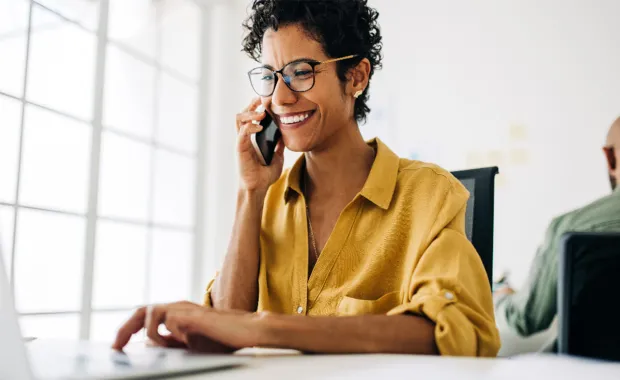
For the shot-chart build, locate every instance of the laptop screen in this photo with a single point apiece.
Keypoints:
(588, 288)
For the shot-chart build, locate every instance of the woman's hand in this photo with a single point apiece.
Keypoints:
(255, 176)
(193, 327)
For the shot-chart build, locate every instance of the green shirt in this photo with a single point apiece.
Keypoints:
(533, 308)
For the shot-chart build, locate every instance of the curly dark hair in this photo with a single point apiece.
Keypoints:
(342, 27)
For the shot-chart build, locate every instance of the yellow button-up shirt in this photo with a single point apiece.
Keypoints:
(398, 247)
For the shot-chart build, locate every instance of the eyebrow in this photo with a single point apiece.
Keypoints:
(298, 60)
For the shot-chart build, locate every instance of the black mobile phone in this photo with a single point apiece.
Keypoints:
(265, 141)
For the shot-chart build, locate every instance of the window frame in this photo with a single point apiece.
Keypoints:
(92, 216)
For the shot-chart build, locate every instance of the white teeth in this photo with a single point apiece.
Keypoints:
(294, 119)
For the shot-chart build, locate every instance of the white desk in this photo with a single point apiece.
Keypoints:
(270, 365)
(267, 364)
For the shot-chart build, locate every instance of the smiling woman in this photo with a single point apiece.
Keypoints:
(351, 250)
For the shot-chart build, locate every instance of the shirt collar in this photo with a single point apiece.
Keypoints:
(380, 184)
(293, 178)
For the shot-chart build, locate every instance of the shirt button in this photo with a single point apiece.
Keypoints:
(449, 296)
(300, 310)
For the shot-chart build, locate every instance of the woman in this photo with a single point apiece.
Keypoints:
(351, 250)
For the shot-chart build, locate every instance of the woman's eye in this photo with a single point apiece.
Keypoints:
(302, 73)
(267, 77)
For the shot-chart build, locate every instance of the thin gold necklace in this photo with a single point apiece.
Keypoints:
(312, 239)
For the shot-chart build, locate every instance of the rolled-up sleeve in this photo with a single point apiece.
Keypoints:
(450, 287)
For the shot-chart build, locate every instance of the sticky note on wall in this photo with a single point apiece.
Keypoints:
(517, 132)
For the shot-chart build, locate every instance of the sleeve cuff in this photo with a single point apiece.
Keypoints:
(454, 332)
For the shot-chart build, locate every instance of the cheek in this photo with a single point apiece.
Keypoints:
(329, 99)
(334, 107)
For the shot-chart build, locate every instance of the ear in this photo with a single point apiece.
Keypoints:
(358, 76)
(610, 156)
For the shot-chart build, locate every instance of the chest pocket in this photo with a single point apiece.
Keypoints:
(349, 306)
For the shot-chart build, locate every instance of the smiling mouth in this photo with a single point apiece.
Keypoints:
(297, 120)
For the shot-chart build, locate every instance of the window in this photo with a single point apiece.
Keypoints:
(98, 158)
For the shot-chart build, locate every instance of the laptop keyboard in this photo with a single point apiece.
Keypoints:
(100, 359)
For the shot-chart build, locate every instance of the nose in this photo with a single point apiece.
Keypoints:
(282, 95)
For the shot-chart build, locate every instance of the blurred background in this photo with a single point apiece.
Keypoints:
(117, 140)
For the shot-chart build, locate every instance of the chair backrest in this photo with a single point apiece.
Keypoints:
(479, 216)
(588, 288)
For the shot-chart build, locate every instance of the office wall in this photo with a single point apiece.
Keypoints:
(530, 86)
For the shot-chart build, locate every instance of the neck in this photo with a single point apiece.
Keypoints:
(341, 166)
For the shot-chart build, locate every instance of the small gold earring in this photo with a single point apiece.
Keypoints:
(358, 94)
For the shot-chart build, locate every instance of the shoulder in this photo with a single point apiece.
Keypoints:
(603, 211)
(422, 178)
(429, 193)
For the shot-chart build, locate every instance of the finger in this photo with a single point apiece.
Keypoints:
(177, 324)
(186, 322)
(249, 117)
(278, 158)
(182, 307)
(177, 330)
(155, 316)
(173, 342)
(243, 141)
(253, 104)
(251, 128)
(280, 147)
(176, 334)
(132, 326)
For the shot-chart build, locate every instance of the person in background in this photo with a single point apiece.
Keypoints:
(352, 250)
(532, 309)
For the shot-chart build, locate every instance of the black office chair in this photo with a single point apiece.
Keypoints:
(588, 289)
(479, 217)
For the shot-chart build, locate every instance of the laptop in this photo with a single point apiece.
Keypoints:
(588, 288)
(46, 360)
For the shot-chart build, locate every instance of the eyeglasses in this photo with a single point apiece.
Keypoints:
(299, 76)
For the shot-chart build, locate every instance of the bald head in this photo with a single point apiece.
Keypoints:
(613, 136)
(612, 153)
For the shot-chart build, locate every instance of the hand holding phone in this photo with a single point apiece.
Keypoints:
(265, 141)
(260, 149)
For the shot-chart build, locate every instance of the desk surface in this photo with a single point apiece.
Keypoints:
(269, 364)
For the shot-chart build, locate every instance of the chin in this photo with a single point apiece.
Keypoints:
(298, 145)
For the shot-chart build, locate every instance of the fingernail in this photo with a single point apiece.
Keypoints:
(260, 109)
(255, 122)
